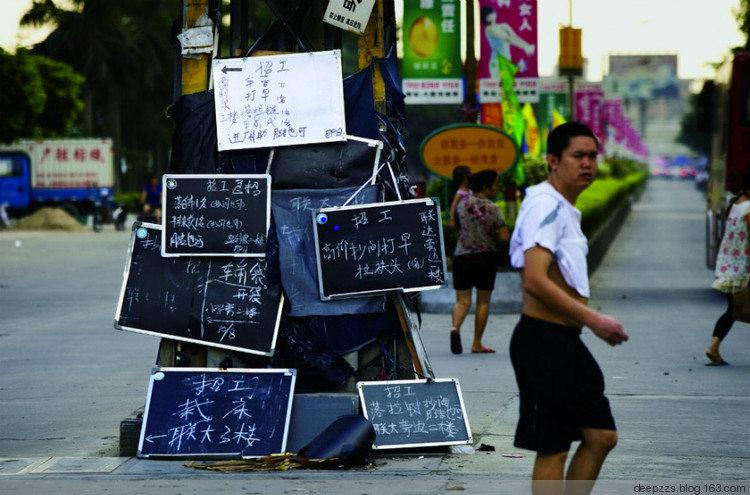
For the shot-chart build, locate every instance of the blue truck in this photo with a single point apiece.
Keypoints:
(76, 175)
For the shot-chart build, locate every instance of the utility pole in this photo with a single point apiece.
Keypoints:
(570, 63)
(470, 68)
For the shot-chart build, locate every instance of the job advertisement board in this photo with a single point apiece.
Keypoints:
(215, 215)
(207, 412)
(379, 248)
(279, 100)
(230, 303)
(415, 413)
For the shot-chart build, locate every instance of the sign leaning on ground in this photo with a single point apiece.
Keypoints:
(279, 100)
(415, 413)
(206, 412)
(215, 215)
(377, 248)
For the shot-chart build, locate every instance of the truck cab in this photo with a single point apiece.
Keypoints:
(15, 180)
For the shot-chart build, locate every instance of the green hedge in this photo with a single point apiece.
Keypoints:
(616, 180)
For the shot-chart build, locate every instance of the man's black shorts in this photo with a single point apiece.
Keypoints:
(475, 270)
(561, 386)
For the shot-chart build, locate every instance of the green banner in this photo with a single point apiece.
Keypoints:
(432, 39)
(553, 97)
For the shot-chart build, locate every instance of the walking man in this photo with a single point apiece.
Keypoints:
(561, 385)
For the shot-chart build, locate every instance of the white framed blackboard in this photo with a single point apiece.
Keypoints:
(215, 214)
(279, 100)
(378, 248)
(415, 413)
(230, 303)
(207, 412)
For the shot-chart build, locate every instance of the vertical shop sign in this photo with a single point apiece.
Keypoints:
(432, 69)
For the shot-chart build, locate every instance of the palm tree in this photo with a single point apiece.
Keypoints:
(123, 49)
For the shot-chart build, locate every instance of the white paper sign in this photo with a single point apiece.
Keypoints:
(351, 15)
(279, 100)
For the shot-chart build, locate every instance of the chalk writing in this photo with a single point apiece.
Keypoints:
(208, 215)
(234, 412)
(279, 100)
(415, 412)
(223, 302)
(383, 246)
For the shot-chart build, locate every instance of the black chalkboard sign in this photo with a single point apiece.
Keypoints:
(230, 303)
(205, 412)
(381, 247)
(415, 413)
(215, 215)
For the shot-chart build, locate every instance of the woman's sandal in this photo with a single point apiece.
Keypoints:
(482, 350)
(456, 347)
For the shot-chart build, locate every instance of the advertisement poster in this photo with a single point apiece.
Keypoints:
(508, 28)
(432, 70)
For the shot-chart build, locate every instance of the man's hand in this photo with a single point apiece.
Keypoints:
(609, 330)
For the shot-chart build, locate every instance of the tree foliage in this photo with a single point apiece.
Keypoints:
(40, 97)
(742, 15)
(124, 51)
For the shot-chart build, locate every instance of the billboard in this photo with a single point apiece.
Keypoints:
(432, 71)
(643, 76)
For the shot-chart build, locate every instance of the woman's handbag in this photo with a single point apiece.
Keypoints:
(741, 305)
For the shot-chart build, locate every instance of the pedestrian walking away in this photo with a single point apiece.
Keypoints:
(561, 385)
(732, 272)
(461, 176)
(481, 228)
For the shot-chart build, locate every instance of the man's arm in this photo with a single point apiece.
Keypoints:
(537, 283)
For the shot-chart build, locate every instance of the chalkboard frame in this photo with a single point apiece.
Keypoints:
(330, 65)
(328, 295)
(160, 372)
(466, 437)
(118, 313)
(166, 209)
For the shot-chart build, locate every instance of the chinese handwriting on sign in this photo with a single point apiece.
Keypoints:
(196, 416)
(404, 413)
(264, 112)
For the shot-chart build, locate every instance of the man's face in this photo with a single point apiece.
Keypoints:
(576, 169)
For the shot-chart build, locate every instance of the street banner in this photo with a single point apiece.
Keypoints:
(432, 70)
(532, 130)
(492, 114)
(513, 121)
(589, 106)
(508, 28)
(349, 15)
(553, 98)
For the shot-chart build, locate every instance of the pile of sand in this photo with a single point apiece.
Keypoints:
(49, 219)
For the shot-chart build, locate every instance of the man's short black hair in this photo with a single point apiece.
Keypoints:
(559, 138)
(482, 179)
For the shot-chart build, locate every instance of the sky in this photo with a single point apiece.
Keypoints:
(698, 31)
